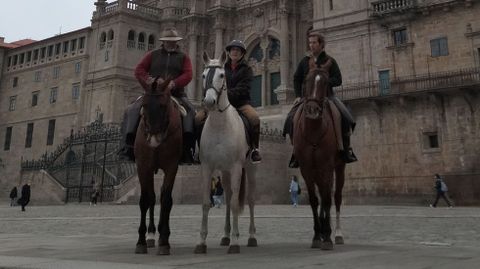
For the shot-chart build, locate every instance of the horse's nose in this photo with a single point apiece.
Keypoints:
(209, 100)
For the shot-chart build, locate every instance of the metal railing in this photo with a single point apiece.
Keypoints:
(390, 6)
(410, 84)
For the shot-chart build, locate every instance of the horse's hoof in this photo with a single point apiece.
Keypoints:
(234, 249)
(339, 240)
(141, 249)
(252, 242)
(150, 243)
(163, 250)
(316, 243)
(200, 249)
(326, 245)
(225, 241)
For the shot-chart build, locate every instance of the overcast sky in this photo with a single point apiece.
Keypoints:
(40, 19)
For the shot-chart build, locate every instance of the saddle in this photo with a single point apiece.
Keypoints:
(180, 108)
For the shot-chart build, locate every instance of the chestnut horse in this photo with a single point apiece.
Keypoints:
(316, 149)
(158, 145)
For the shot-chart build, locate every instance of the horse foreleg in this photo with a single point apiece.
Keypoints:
(326, 229)
(235, 181)
(166, 203)
(151, 224)
(201, 247)
(339, 182)
(225, 241)
(312, 196)
(141, 247)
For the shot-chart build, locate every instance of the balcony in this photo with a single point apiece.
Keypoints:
(463, 78)
(388, 7)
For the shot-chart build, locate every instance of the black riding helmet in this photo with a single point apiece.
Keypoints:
(236, 43)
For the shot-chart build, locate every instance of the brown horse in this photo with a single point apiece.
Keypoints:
(158, 145)
(315, 146)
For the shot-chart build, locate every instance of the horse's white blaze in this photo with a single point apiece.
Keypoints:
(317, 80)
(154, 140)
(210, 98)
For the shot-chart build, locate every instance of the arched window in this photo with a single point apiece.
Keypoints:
(131, 39)
(103, 39)
(257, 53)
(151, 42)
(273, 48)
(141, 41)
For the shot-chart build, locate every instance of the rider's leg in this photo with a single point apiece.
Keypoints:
(249, 112)
(288, 129)
(131, 119)
(348, 124)
(200, 118)
(188, 123)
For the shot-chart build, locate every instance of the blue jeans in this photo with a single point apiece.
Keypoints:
(294, 197)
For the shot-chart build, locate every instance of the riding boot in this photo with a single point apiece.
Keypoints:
(293, 162)
(347, 154)
(187, 154)
(255, 138)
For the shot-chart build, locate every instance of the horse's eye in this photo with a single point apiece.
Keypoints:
(222, 75)
(203, 76)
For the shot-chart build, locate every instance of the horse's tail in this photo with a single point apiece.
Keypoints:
(241, 194)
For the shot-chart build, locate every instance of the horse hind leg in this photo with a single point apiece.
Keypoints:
(339, 182)
(251, 186)
(151, 225)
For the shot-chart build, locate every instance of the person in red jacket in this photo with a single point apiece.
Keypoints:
(156, 66)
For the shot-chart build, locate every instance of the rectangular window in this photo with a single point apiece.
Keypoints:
(331, 4)
(65, 47)
(42, 52)
(56, 71)
(15, 59)
(53, 95)
(12, 104)
(28, 138)
(51, 132)
(15, 82)
(73, 45)
(29, 56)
(50, 51)
(8, 138)
(81, 44)
(400, 37)
(106, 56)
(38, 76)
(35, 55)
(22, 58)
(75, 91)
(431, 141)
(58, 47)
(384, 81)
(478, 56)
(35, 98)
(78, 67)
(439, 47)
(9, 61)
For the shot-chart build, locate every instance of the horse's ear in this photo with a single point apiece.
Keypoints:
(223, 58)
(206, 58)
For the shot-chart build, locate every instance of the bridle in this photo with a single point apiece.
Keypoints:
(209, 84)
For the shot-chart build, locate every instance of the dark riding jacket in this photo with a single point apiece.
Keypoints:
(335, 76)
(238, 83)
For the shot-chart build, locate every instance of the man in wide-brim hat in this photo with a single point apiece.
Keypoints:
(153, 69)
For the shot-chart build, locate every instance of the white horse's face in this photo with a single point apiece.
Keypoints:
(214, 83)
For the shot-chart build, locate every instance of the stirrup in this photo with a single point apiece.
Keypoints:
(348, 156)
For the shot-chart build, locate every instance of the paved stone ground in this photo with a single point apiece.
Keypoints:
(80, 236)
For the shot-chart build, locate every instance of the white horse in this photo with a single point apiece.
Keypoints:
(224, 148)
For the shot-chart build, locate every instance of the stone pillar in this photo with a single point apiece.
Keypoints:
(218, 42)
(285, 93)
(193, 92)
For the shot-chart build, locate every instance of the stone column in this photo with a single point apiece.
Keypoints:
(218, 41)
(193, 92)
(285, 93)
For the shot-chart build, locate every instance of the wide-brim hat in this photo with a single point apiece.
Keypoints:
(170, 35)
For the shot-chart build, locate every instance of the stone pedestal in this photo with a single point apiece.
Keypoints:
(285, 94)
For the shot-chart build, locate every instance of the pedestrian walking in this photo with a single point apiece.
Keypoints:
(441, 189)
(218, 195)
(25, 199)
(294, 190)
(13, 196)
(94, 197)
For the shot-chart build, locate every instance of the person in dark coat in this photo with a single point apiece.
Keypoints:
(239, 76)
(25, 199)
(441, 189)
(13, 196)
(317, 49)
(155, 67)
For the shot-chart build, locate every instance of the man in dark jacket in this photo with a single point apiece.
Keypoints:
(153, 69)
(316, 43)
(25, 199)
(13, 196)
(441, 189)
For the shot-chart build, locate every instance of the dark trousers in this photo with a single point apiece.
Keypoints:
(444, 196)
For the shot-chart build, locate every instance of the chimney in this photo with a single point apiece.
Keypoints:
(2, 39)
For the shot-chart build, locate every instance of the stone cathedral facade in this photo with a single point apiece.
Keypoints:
(410, 75)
